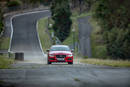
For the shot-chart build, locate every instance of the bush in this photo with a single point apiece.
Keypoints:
(1, 24)
(14, 3)
(46, 2)
(119, 43)
(113, 17)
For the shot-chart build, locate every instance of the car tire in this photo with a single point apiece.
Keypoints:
(49, 62)
(70, 62)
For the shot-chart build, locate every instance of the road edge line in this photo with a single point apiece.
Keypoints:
(39, 37)
(11, 19)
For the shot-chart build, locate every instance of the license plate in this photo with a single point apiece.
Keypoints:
(60, 59)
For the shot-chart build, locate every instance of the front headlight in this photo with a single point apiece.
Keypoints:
(51, 55)
(69, 55)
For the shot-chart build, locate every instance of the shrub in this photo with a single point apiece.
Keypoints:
(113, 16)
(1, 24)
(14, 3)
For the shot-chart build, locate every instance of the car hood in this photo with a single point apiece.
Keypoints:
(60, 52)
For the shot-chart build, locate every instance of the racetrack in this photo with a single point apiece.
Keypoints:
(25, 37)
(26, 74)
(84, 36)
(57, 75)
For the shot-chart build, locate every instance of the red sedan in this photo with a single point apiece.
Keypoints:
(60, 53)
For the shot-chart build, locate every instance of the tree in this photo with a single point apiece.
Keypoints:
(14, 3)
(1, 19)
(113, 16)
(61, 15)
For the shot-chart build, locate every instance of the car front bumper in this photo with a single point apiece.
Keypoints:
(54, 59)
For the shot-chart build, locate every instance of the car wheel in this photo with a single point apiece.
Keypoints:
(49, 62)
(70, 62)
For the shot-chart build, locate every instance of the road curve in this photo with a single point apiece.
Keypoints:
(25, 37)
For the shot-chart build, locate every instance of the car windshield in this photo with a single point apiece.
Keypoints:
(60, 49)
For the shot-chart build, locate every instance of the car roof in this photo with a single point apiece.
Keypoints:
(59, 46)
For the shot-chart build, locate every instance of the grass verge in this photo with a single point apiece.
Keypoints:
(107, 62)
(4, 43)
(43, 34)
(5, 62)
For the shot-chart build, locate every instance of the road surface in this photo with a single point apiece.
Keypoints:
(25, 36)
(57, 75)
(84, 36)
(27, 74)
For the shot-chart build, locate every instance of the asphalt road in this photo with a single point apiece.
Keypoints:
(57, 75)
(84, 36)
(25, 37)
(33, 74)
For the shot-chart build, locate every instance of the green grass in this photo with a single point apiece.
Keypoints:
(43, 34)
(4, 43)
(5, 62)
(76, 79)
(107, 62)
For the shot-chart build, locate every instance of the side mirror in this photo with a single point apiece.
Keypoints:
(47, 50)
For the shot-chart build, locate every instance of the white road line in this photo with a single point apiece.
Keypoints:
(11, 19)
(38, 37)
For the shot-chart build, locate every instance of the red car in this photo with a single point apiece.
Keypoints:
(60, 53)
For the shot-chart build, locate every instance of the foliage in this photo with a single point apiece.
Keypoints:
(82, 5)
(61, 15)
(1, 23)
(14, 3)
(5, 62)
(118, 44)
(97, 43)
(4, 43)
(89, 3)
(46, 2)
(113, 16)
(34, 1)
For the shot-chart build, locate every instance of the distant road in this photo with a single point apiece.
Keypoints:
(25, 37)
(84, 36)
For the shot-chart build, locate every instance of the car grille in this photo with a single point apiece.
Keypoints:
(60, 56)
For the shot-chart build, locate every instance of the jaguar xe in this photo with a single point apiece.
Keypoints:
(60, 53)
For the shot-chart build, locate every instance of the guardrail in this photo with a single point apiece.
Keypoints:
(16, 55)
